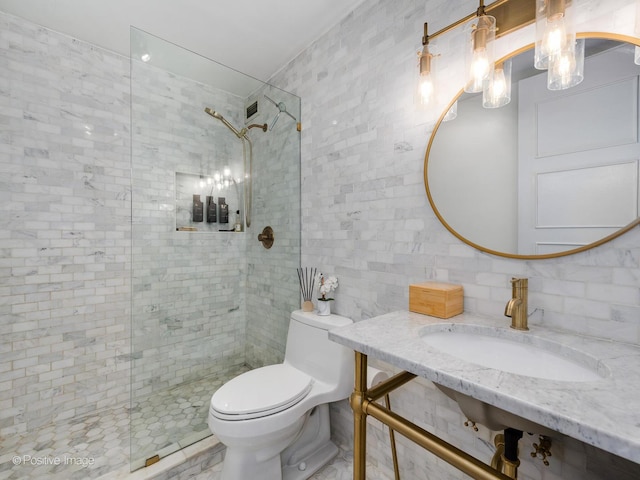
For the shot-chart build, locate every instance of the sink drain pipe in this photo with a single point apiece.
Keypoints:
(510, 456)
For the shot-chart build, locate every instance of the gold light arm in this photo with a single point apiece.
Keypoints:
(510, 15)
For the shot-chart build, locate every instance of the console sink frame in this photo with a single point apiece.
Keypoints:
(396, 338)
(363, 404)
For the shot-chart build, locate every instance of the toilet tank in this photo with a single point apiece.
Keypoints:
(310, 350)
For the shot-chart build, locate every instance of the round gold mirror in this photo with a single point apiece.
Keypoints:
(552, 172)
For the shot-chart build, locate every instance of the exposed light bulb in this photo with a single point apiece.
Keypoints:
(554, 30)
(497, 89)
(426, 88)
(555, 38)
(561, 66)
(566, 69)
(426, 78)
(480, 66)
(479, 57)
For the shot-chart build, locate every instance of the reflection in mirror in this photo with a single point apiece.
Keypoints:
(550, 173)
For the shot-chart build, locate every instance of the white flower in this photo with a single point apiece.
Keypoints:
(326, 285)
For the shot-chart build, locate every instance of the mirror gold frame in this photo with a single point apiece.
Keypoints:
(636, 222)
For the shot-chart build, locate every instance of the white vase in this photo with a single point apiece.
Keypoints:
(324, 307)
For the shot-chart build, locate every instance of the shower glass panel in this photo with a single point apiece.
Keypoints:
(208, 301)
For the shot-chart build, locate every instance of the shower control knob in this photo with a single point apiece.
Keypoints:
(266, 237)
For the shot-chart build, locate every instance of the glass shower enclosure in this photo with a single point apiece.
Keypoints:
(208, 300)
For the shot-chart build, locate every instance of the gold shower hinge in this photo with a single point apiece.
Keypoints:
(151, 460)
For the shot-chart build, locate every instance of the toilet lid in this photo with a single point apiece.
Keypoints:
(260, 392)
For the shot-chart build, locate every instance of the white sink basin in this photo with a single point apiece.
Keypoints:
(507, 350)
(513, 351)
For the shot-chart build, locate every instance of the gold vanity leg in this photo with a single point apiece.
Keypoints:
(392, 440)
(359, 418)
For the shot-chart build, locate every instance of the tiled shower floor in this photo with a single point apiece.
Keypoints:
(96, 444)
(159, 422)
(102, 439)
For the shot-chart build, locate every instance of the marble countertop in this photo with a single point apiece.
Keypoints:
(604, 413)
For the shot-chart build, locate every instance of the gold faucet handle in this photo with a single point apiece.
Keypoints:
(542, 450)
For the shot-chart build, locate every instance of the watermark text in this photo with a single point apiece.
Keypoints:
(67, 460)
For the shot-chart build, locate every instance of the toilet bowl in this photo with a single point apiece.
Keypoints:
(274, 420)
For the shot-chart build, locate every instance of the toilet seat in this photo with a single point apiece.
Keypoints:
(260, 392)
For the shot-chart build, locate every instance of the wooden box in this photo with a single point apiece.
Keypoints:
(442, 300)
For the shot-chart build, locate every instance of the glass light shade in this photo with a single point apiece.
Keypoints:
(480, 33)
(567, 69)
(451, 113)
(426, 91)
(497, 88)
(555, 31)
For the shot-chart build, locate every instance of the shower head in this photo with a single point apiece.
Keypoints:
(215, 114)
(282, 108)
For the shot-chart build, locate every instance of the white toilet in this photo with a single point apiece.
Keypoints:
(274, 420)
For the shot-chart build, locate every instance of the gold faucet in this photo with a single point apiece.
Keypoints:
(517, 307)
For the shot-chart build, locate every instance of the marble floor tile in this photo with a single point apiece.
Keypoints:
(93, 445)
(340, 468)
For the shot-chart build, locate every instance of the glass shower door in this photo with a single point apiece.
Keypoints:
(190, 271)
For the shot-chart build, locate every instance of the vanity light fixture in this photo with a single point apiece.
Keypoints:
(556, 48)
(479, 57)
(426, 73)
(483, 26)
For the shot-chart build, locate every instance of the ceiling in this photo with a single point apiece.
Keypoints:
(256, 37)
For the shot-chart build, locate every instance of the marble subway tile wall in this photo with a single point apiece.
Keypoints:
(366, 218)
(66, 292)
(272, 283)
(188, 287)
(65, 236)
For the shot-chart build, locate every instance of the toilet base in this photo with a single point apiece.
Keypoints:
(312, 449)
(312, 464)
(296, 453)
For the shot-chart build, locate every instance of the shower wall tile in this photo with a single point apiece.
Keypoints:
(65, 241)
(366, 219)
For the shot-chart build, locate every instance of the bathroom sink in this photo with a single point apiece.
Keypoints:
(521, 353)
(516, 352)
